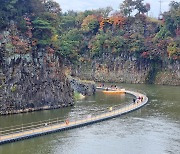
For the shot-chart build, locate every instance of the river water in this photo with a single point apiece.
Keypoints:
(154, 129)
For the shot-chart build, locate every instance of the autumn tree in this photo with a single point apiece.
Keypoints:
(173, 49)
(106, 23)
(90, 24)
(79, 19)
(118, 20)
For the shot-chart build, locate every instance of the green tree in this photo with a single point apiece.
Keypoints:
(67, 22)
(107, 43)
(70, 45)
(136, 44)
(43, 31)
(172, 18)
(140, 7)
(127, 7)
(52, 7)
(148, 7)
(99, 45)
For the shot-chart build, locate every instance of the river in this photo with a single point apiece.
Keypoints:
(154, 129)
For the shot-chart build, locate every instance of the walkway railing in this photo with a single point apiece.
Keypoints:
(14, 133)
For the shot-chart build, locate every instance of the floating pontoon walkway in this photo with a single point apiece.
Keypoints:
(33, 130)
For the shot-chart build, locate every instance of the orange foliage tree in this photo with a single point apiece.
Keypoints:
(90, 23)
(118, 21)
(104, 22)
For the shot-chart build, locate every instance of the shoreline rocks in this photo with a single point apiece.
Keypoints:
(86, 88)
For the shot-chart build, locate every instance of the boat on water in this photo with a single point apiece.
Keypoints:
(114, 91)
(101, 88)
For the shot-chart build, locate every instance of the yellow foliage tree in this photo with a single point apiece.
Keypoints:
(54, 38)
(172, 49)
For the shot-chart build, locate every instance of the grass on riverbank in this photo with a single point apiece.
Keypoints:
(78, 96)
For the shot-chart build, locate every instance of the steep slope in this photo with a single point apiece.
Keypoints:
(31, 74)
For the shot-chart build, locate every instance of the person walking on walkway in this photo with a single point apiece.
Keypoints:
(67, 122)
(134, 100)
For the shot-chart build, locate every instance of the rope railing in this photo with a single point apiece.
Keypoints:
(32, 123)
(105, 109)
(29, 125)
(40, 124)
(22, 127)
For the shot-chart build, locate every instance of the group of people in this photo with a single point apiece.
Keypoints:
(101, 85)
(138, 99)
(112, 87)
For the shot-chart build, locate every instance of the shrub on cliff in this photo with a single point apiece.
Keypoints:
(43, 31)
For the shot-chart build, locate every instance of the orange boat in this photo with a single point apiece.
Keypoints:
(118, 91)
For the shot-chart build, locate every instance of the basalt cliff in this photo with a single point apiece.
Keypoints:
(31, 78)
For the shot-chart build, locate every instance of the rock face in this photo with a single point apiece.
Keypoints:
(129, 70)
(83, 87)
(31, 81)
(34, 88)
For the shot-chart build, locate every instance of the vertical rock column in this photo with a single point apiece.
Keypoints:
(34, 85)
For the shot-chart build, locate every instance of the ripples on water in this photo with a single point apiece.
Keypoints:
(154, 129)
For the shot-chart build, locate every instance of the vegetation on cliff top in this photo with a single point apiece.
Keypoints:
(82, 36)
(94, 33)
